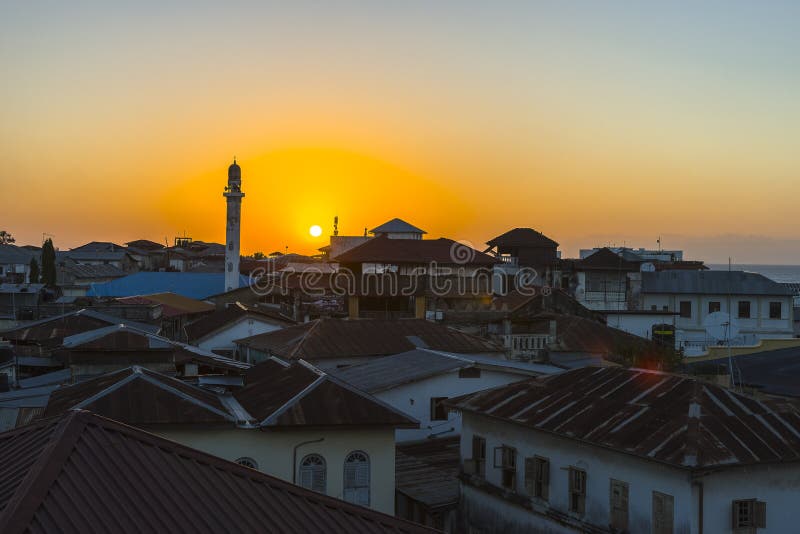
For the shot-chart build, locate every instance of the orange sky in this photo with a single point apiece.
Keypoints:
(119, 123)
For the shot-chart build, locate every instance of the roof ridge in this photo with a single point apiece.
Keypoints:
(21, 507)
(297, 345)
(288, 404)
(185, 396)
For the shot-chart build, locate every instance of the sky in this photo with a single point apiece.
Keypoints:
(596, 122)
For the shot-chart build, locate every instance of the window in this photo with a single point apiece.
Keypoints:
(686, 309)
(744, 309)
(663, 513)
(313, 473)
(619, 504)
(247, 462)
(356, 478)
(438, 410)
(537, 477)
(479, 455)
(469, 372)
(577, 490)
(775, 310)
(748, 515)
(714, 306)
(505, 458)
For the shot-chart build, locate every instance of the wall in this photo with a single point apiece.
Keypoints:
(638, 324)
(244, 327)
(778, 485)
(414, 399)
(272, 451)
(600, 464)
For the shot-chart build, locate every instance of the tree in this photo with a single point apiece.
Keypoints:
(48, 263)
(34, 276)
(6, 238)
(258, 255)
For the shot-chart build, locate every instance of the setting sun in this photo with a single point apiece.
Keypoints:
(315, 231)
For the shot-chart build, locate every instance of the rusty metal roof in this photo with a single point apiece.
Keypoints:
(427, 471)
(297, 394)
(137, 396)
(85, 473)
(653, 415)
(219, 319)
(341, 338)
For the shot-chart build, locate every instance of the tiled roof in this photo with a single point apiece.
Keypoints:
(417, 251)
(522, 237)
(282, 395)
(209, 324)
(712, 283)
(342, 338)
(397, 226)
(656, 416)
(85, 473)
(136, 396)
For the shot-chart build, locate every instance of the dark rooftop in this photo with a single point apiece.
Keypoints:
(280, 395)
(137, 396)
(656, 416)
(341, 338)
(712, 283)
(606, 259)
(221, 318)
(85, 473)
(397, 226)
(428, 471)
(416, 251)
(522, 237)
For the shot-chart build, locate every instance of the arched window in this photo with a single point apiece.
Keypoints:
(313, 473)
(247, 462)
(356, 478)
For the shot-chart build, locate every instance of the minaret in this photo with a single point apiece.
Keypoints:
(233, 194)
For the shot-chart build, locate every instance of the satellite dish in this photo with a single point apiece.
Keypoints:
(721, 327)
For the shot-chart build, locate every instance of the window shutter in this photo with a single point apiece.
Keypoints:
(498, 456)
(545, 467)
(735, 514)
(760, 514)
(530, 475)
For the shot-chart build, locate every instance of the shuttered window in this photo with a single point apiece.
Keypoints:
(577, 490)
(748, 515)
(313, 473)
(537, 477)
(356, 478)
(619, 504)
(663, 513)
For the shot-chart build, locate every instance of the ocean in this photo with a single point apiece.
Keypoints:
(778, 273)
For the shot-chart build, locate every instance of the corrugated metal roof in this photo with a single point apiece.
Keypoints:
(137, 396)
(171, 304)
(282, 395)
(657, 416)
(342, 338)
(192, 285)
(205, 326)
(428, 471)
(418, 364)
(397, 226)
(85, 473)
(711, 283)
(52, 330)
(94, 271)
(56, 377)
(775, 372)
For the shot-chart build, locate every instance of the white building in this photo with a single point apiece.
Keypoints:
(627, 450)
(218, 331)
(291, 421)
(417, 382)
(759, 308)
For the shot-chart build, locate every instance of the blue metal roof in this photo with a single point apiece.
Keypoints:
(192, 285)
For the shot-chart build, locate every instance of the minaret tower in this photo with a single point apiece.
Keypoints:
(233, 195)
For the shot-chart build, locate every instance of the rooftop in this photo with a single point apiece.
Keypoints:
(192, 285)
(284, 395)
(52, 330)
(83, 473)
(205, 326)
(172, 304)
(522, 237)
(607, 259)
(428, 471)
(656, 416)
(397, 226)
(712, 283)
(382, 249)
(342, 338)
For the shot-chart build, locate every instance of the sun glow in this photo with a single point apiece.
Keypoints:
(315, 230)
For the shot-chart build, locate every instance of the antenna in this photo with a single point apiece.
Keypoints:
(336, 225)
